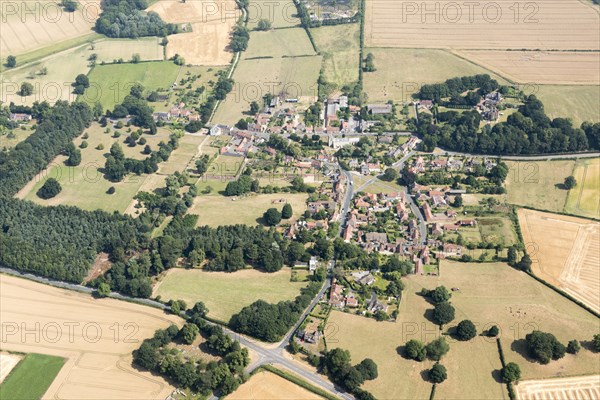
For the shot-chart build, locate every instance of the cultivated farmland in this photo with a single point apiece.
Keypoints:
(31, 25)
(401, 72)
(339, 46)
(565, 251)
(214, 210)
(580, 103)
(583, 199)
(211, 24)
(289, 77)
(31, 377)
(226, 293)
(581, 387)
(538, 183)
(490, 294)
(111, 83)
(268, 386)
(564, 25)
(99, 346)
(291, 42)
(565, 68)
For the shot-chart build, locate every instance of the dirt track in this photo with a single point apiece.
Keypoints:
(96, 336)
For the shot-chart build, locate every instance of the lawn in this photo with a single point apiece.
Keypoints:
(401, 72)
(583, 199)
(291, 77)
(291, 42)
(580, 103)
(31, 378)
(10, 138)
(111, 83)
(339, 46)
(537, 183)
(84, 185)
(227, 293)
(216, 210)
(490, 294)
(281, 14)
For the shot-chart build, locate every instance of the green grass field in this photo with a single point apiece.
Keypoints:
(278, 43)
(497, 230)
(227, 293)
(110, 50)
(490, 294)
(583, 199)
(580, 103)
(114, 81)
(84, 185)
(400, 72)
(30, 379)
(215, 210)
(534, 183)
(339, 46)
(282, 14)
(293, 77)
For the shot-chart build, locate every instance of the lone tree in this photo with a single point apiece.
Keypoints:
(573, 347)
(368, 369)
(263, 25)
(511, 372)
(390, 175)
(525, 263)
(254, 108)
(437, 373)
(11, 61)
(440, 295)
(443, 313)
(437, 349)
(465, 330)
(596, 342)
(570, 182)
(50, 189)
(415, 350)
(189, 332)
(493, 331)
(272, 217)
(286, 211)
(458, 201)
(26, 89)
(103, 290)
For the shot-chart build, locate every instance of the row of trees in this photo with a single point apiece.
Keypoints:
(270, 322)
(527, 131)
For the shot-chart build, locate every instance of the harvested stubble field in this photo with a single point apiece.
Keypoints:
(7, 363)
(562, 25)
(543, 67)
(215, 210)
(581, 387)
(289, 76)
(84, 185)
(226, 293)
(401, 72)
(211, 24)
(97, 348)
(31, 25)
(565, 252)
(268, 386)
(490, 294)
(339, 46)
(584, 199)
(537, 183)
(291, 42)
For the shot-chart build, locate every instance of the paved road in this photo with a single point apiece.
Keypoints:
(397, 165)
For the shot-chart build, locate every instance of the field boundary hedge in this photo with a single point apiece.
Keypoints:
(509, 385)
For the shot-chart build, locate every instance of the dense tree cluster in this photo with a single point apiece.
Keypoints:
(435, 350)
(244, 184)
(126, 19)
(527, 131)
(455, 86)
(270, 322)
(56, 128)
(544, 347)
(337, 364)
(222, 377)
(49, 189)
